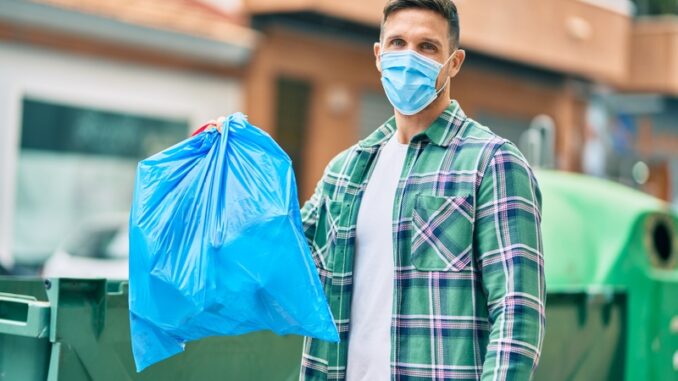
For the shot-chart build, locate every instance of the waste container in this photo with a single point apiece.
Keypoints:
(585, 336)
(77, 329)
(598, 233)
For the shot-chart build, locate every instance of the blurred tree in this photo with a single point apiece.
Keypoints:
(656, 7)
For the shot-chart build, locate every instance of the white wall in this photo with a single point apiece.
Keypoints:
(625, 7)
(225, 5)
(98, 83)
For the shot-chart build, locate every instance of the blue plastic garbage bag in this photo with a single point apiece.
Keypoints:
(217, 246)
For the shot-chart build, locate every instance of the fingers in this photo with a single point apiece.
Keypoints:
(218, 123)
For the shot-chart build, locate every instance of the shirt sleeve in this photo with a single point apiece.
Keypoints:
(510, 257)
(309, 213)
(309, 218)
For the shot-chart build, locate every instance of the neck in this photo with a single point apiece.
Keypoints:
(410, 125)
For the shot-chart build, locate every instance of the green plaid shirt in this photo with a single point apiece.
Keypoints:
(469, 278)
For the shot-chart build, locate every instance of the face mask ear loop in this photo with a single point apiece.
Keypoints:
(443, 87)
(448, 77)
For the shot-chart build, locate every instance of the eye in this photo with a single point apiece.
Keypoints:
(429, 47)
(399, 42)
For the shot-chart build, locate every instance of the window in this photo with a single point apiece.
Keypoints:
(508, 127)
(76, 163)
(375, 109)
(292, 105)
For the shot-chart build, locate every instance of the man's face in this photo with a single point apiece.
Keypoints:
(423, 31)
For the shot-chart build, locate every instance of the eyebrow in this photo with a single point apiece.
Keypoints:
(433, 41)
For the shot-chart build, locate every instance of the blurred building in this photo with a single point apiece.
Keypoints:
(88, 87)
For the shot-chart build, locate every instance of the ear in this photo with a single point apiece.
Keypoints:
(377, 59)
(455, 63)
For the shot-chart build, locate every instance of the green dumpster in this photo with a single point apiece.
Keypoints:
(601, 234)
(585, 336)
(76, 329)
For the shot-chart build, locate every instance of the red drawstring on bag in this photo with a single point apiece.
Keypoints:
(201, 129)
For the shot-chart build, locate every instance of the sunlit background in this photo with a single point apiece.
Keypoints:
(89, 87)
(588, 89)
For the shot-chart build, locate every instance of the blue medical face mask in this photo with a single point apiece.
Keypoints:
(409, 80)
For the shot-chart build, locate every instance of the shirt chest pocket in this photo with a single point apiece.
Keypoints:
(442, 232)
(327, 232)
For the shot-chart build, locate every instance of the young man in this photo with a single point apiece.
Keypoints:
(427, 233)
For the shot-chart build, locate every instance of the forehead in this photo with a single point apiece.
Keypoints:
(414, 22)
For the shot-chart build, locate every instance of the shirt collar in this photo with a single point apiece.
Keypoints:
(441, 132)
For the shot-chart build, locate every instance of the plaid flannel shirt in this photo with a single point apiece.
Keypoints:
(469, 279)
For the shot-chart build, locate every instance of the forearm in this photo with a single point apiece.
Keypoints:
(510, 256)
(515, 338)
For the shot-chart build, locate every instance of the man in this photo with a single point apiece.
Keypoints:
(427, 234)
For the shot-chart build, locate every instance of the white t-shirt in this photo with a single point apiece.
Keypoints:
(369, 345)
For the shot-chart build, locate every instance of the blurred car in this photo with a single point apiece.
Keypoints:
(98, 248)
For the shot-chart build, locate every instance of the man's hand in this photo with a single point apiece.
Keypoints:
(211, 124)
(217, 123)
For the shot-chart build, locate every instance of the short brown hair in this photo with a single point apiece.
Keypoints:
(445, 8)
